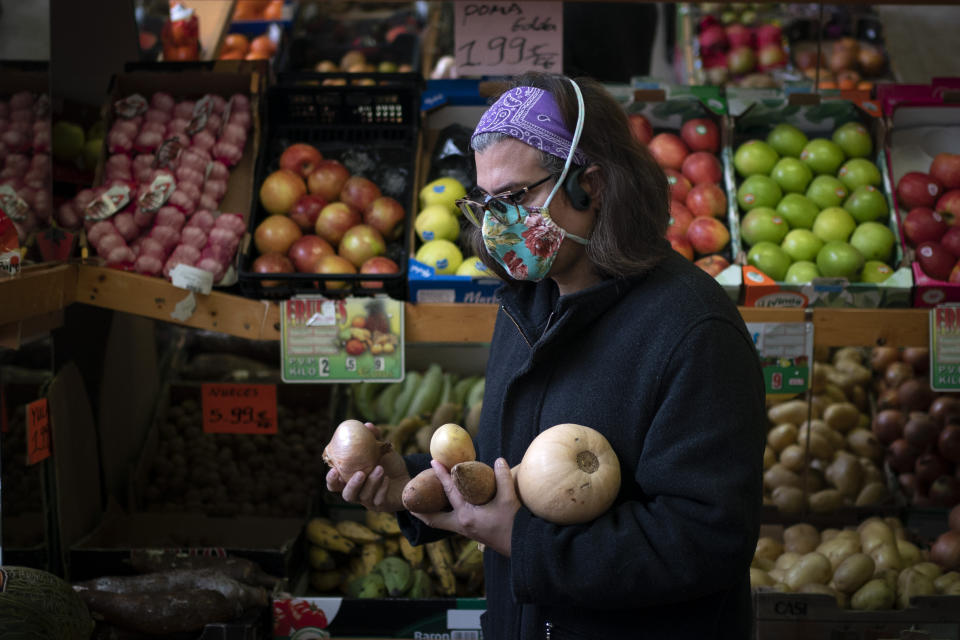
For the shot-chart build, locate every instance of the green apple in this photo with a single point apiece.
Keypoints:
(792, 175)
(801, 244)
(867, 204)
(873, 240)
(875, 271)
(827, 191)
(787, 140)
(823, 156)
(769, 258)
(763, 224)
(754, 157)
(758, 191)
(854, 139)
(858, 171)
(839, 260)
(801, 272)
(799, 210)
(834, 224)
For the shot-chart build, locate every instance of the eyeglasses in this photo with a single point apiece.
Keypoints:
(502, 206)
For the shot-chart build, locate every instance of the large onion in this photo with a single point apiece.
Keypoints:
(946, 551)
(569, 474)
(354, 448)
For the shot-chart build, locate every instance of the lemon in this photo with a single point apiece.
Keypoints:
(442, 255)
(474, 267)
(437, 222)
(443, 191)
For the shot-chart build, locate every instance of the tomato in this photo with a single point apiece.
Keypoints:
(235, 43)
(355, 347)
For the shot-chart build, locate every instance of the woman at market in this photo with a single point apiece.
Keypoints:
(600, 324)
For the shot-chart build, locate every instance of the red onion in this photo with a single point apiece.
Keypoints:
(162, 101)
(148, 264)
(202, 219)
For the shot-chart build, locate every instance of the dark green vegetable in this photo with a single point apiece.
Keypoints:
(38, 605)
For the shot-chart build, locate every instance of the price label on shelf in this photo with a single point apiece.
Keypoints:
(38, 431)
(945, 347)
(239, 408)
(348, 340)
(507, 38)
(786, 353)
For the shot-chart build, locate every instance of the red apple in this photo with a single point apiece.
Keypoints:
(935, 261)
(771, 56)
(679, 184)
(741, 60)
(281, 190)
(377, 264)
(739, 35)
(701, 134)
(386, 215)
(682, 246)
(276, 234)
(327, 179)
(334, 220)
(950, 203)
(768, 34)
(360, 243)
(680, 219)
(334, 264)
(712, 39)
(951, 241)
(923, 225)
(300, 158)
(713, 264)
(701, 167)
(272, 263)
(305, 252)
(707, 200)
(945, 169)
(916, 189)
(359, 192)
(306, 210)
(640, 127)
(668, 150)
(707, 235)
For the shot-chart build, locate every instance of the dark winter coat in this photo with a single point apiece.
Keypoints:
(662, 365)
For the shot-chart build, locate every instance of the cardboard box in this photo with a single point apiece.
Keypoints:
(816, 119)
(667, 108)
(922, 124)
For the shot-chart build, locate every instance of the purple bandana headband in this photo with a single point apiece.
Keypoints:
(531, 116)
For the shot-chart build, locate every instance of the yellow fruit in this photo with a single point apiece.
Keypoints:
(436, 221)
(443, 191)
(444, 256)
(474, 267)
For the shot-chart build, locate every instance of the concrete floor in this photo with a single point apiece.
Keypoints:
(25, 30)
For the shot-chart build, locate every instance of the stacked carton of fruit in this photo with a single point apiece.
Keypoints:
(373, 560)
(685, 138)
(920, 429)
(813, 206)
(820, 455)
(25, 195)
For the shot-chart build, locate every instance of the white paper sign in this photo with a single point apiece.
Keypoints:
(507, 38)
(192, 279)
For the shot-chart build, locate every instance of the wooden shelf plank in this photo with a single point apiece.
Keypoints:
(38, 290)
(871, 327)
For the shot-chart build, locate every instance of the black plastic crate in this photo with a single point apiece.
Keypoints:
(370, 123)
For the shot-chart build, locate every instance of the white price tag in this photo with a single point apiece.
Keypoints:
(192, 279)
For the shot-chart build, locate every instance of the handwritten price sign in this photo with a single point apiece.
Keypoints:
(507, 38)
(239, 408)
(38, 431)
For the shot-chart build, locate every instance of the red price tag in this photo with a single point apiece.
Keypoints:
(38, 431)
(239, 408)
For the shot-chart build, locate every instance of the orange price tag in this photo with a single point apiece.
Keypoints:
(38, 431)
(239, 408)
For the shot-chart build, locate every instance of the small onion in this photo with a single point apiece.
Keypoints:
(451, 444)
(354, 448)
(946, 551)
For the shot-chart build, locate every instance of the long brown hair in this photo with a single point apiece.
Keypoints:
(630, 191)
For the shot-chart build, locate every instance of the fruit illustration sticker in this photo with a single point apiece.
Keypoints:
(239, 408)
(348, 340)
(12, 204)
(786, 351)
(112, 200)
(38, 431)
(157, 193)
(131, 106)
(945, 347)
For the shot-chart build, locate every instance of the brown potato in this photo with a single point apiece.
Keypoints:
(781, 436)
(788, 500)
(424, 493)
(851, 574)
(873, 596)
(887, 556)
(811, 568)
(838, 549)
(787, 559)
(769, 458)
(912, 583)
(780, 476)
(846, 474)
(842, 416)
(801, 538)
(475, 480)
(909, 553)
(759, 578)
(792, 411)
(863, 443)
(872, 493)
(793, 457)
(942, 583)
(826, 501)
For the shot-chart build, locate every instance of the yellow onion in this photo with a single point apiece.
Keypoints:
(354, 448)
(451, 444)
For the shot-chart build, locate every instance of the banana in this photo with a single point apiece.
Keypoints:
(469, 559)
(441, 558)
(325, 535)
(421, 586)
(405, 429)
(371, 553)
(391, 546)
(372, 586)
(357, 532)
(320, 559)
(397, 575)
(410, 553)
(324, 581)
(446, 412)
(361, 334)
(383, 522)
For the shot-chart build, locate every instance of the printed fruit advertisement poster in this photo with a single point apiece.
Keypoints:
(346, 340)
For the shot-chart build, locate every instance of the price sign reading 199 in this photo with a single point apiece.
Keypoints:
(504, 38)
